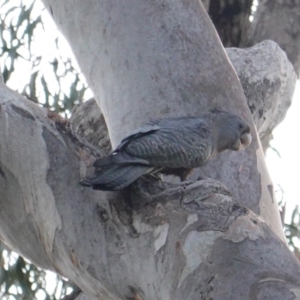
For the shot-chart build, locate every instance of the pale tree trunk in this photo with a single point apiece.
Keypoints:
(156, 240)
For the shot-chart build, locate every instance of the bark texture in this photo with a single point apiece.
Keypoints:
(154, 240)
(268, 80)
(272, 20)
(163, 63)
(278, 21)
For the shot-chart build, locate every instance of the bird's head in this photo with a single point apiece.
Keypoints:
(232, 132)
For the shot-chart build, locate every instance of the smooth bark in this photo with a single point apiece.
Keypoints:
(155, 240)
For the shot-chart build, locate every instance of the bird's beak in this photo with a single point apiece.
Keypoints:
(243, 142)
(245, 139)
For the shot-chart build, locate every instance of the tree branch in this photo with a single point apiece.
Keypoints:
(165, 60)
(80, 226)
(286, 33)
(153, 240)
(268, 80)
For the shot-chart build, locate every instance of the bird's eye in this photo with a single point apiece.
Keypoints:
(241, 126)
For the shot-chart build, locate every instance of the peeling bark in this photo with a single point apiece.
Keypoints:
(88, 122)
(155, 239)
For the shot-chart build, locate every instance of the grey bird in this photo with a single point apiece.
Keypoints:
(171, 145)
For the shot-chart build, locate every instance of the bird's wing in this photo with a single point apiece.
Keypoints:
(145, 130)
(120, 157)
(173, 143)
(172, 146)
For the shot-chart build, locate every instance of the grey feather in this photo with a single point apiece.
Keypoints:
(118, 158)
(116, 177)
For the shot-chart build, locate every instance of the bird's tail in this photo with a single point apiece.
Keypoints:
(115, 177)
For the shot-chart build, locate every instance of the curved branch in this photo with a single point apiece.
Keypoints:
(268, 80)
(164, 60)
(154, 240)
(150, 231)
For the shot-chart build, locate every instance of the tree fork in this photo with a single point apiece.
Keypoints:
(217, 233)
(152, 59)
(164, 59)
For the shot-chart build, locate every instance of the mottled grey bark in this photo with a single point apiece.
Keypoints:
(278, 20)
(152, 62)
(268, 80)
(156, 240)
(88, 122)
(273, 20)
